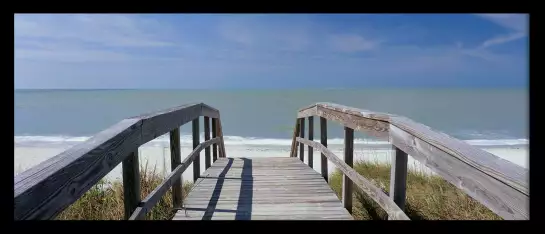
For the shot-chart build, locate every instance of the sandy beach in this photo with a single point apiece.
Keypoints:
(159, 157)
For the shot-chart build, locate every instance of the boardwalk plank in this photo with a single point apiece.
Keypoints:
(261, 189)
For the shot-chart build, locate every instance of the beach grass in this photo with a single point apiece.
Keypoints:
(429, 197)
(104, 201)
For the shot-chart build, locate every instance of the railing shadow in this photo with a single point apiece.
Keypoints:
(244, 207)
(217, 192)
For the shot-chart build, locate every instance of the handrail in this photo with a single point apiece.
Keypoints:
(394, 212)
(46, 189)
(158, 192)
(498, 184)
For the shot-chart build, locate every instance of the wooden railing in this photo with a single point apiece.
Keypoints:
(45, 190)
(496, 183)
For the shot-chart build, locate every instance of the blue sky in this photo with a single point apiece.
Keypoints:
(195, 51)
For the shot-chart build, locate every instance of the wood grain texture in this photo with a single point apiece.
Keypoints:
(349, 161)
(207, 137)
(366, 186)
(197, 162)
(131, 183)
(175, 160)
(310, 137)
(323, 140)
(223, 154)
(302, 135)
(294, 144)
(261, 188)
(48, 188)
(499, 184)
(499, 197)
(398, 177)
(214, 135)
(169, 181)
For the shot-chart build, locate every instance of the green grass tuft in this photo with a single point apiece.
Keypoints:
(104, 201)
(429, 197)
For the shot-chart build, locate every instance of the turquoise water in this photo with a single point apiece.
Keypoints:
(498, 115)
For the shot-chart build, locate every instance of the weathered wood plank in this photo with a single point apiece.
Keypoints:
(158, 192)
(48, 188)
(349, 160)
(209, 111)
(294, 144)
(499, 197)
(261, 189)
(302, 135)
(398, 177)
(366, 186)
(223, 154)
(175, 160)
(131, 183)
(207, 160)
(323, 140)
(214, 135)
(372, 127)
(310, 137)
(197, 161)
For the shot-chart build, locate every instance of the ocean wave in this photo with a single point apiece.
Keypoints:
(186, 140)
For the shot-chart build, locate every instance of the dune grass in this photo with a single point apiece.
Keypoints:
(104, 201)
(429, 197)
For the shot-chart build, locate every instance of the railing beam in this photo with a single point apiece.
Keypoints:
(206, 137)
(214, 135)
(310, 137)
(131, 183)
(302, 135)
(323, 140)
(197, 160)
(175, 160)
(348, 159)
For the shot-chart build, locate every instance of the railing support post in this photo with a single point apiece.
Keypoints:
(398, 177)
(214, 134)
(323, 140)
(348, 159)
(294, 144)
(206, 137)
(131, 183)
(197, 161)
(175, 160)
(302, 135)
(311, 138)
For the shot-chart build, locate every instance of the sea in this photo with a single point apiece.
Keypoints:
(492, 117)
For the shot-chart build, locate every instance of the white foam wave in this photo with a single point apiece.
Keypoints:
(247, 141)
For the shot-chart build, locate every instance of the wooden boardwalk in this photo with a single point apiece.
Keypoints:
(261, 188)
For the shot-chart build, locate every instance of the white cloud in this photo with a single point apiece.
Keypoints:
(106, 30)
(517, 22)
(352, 43)
(502, 39)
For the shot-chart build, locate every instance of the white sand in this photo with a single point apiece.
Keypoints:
(27, 157)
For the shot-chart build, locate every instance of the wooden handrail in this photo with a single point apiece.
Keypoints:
(498, 184)
(366, 186)
(45, 190)
(158, 192)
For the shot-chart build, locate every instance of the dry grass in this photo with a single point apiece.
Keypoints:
(428, 197)
(104, 201)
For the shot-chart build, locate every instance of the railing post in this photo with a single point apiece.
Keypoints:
(398, 177)
(323, 140)
(214, 134)
(131, 183)
(206, 137)
(222, 153)
(348, 159)
(294, 144)
(197, 161)
(310, 138)
(175, 160)
(302, 135)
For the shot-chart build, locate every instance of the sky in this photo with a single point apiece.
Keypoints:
(226, 51)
